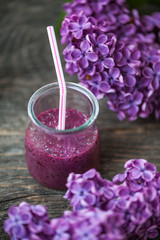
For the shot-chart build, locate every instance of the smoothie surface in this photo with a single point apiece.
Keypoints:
(74, 118)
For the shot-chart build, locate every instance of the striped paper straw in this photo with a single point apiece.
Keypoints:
(60, 76)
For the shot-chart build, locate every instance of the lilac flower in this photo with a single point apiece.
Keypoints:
(99, 44)
(64, 31)
(82, 194)
(87, 231)
(118, 200)
(61, 229)
(38, 219)
(126, 104)
(131, 104)
(78, 6)
(38, 210)
(129, 76)
(131, 56)
(97, 85)
(18, 217)
(28, 222)
(84, 55)
(113, 77)
(105, 62)
(113, 103)
(86, 189)
(119, 178)
(147, 231)
(78, 27)
(98, 6)
(153, 74)
(139, 211)
(140, 168)
(114, 229)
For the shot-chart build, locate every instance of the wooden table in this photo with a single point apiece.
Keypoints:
(25, 65)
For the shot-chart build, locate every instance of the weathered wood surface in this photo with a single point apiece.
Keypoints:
(26, 65)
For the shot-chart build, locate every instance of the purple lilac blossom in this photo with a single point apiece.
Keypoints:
(117, 39)
(135, 193)
(127, 207)
(27, 222)
(87, 224)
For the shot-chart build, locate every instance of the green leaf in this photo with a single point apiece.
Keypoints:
(59, 22)
(60, 19)
(136, 3)
(156, 2)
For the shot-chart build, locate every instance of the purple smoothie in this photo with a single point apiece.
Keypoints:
(50, 157)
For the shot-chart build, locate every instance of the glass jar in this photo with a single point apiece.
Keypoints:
(52, 154)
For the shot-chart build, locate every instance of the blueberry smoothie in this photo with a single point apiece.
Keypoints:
(50, 157)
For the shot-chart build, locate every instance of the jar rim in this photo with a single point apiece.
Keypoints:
(70, 85)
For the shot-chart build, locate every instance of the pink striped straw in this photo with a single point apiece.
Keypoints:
(60, 76)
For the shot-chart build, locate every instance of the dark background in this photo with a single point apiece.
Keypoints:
(26, 65)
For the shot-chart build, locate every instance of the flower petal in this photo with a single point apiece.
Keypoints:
(90, 199)
(147, 176)
(82, 20)
(119, 178)
(19, 231)
(138, 96)
(124, 106)
(85, 46)
(118, 56)
(102, 39)
(104, 87)
(155, 82)
(97, 77)
(103, 49)
(147, 72)
(150, 167)
(90, 173)
(100, 67)
(108, 62)
(38, 210)
(26, 218)
(75, 188)
(78, 33)
(13, 211)
(91, 38)
(127, 53)
(124, 18)
(144, 82)
(87, 25)
(73, 26)
(133, 110)
(156, 67)
(94, 90)
(136, 54)
(93, 57)
(114, 72)
(130, 80)
(76, 54)
(139, 163)
(135, 174)
(124, 192)
(83, 63)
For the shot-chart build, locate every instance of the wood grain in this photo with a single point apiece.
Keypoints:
(25, 65)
